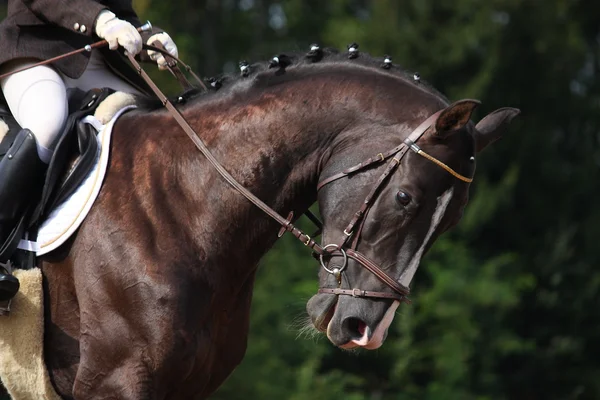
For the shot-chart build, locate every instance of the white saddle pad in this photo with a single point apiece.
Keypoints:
(67, 217)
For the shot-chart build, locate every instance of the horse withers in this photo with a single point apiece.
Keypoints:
(151, 299)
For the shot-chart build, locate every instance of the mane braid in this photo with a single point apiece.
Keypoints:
(332, 57)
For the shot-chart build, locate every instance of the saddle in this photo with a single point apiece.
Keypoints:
(71, 162)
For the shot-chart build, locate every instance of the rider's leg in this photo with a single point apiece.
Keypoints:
(37, 98)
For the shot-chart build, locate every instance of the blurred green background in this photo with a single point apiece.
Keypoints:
(506, 306)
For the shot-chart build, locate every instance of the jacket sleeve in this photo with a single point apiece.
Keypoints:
(75, 15)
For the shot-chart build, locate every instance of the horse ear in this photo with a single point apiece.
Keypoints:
(490, 128)
(455, 116)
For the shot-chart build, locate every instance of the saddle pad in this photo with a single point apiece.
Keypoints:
(67, 217)
(22, 368)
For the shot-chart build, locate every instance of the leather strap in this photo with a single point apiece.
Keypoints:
(304, 238)
(381, 157)
(365, 293)
(378, 272)
(399, 152)
(414, 147)
(173, 67)
(171, 57)
(358, 216)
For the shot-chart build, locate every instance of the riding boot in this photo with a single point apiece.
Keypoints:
(21, 181)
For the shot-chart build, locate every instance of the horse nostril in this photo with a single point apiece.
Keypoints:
(355, 327)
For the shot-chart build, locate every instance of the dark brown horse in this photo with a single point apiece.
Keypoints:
(151, 299)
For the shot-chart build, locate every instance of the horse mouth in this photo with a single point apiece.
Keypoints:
(372, 340)
(360, 334)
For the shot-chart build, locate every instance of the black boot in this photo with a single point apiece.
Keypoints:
(21, 181)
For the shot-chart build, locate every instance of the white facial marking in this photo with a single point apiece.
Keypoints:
(377, 338)
(379, 335)
(438, 215)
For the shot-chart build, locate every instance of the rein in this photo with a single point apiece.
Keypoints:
(285, 223)
(354, 228)
(400, 292)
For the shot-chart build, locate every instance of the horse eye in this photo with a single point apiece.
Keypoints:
(403, 198)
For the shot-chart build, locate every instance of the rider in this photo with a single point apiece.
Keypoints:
(37, 30)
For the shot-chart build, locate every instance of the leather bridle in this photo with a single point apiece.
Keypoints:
(354, 228)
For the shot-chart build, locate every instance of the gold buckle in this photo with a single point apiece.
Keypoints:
(381, 157)
(396, 160)
(308, 239)
(347, 233)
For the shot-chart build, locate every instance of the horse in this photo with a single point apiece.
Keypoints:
(151, 298)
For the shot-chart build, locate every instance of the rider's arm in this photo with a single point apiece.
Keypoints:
(89, 17)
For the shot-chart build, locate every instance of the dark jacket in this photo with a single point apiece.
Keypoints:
(43, 29)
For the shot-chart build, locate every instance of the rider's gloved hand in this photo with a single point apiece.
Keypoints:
(118, 32)
(169, 45)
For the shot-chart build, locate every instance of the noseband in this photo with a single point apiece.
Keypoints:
(354, 228)
(348, 244)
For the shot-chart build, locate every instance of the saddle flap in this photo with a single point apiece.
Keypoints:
(87, 149)
(68, 148)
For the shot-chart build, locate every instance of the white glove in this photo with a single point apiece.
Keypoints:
(169, 45)
(118, 32)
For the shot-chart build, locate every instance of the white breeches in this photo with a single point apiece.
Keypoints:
(37, 97)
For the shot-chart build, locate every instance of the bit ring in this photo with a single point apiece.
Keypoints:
(322, 260)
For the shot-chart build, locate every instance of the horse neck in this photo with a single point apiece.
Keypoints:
(274, 144)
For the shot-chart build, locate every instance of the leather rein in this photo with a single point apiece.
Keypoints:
(354, 228)
(393, 158)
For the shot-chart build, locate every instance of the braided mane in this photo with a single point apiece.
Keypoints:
(226, 83)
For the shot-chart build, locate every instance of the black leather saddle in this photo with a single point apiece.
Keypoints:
(71, 162)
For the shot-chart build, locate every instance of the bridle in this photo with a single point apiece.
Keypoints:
(354, 228)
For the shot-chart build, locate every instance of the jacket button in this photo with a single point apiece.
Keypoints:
(76, 26)
(82, 29)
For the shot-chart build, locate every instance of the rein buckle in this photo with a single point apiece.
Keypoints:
(308, 239)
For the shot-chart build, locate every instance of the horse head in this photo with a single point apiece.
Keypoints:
(397, 202)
